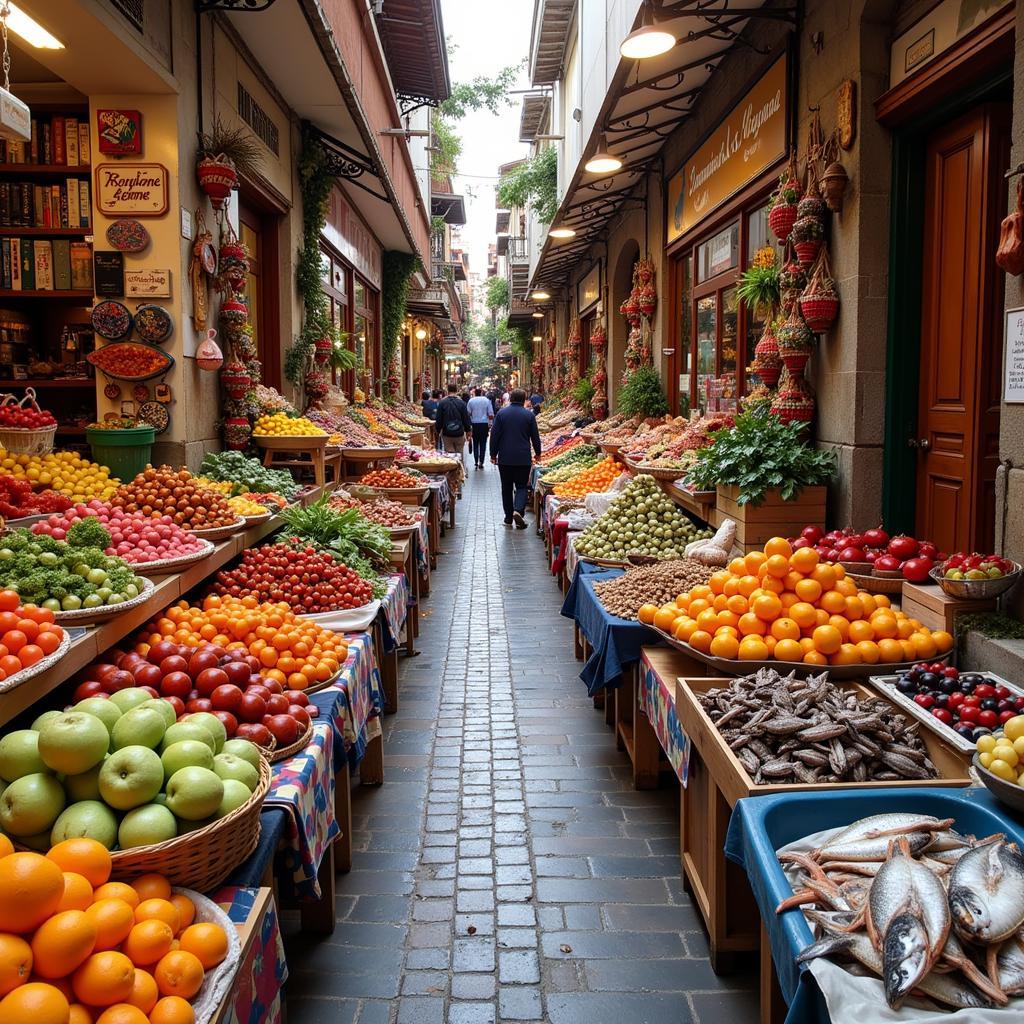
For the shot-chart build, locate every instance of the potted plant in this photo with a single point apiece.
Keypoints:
(808, 235)
(768, 479)
(758, 286)
(642, 395)
(224, 153)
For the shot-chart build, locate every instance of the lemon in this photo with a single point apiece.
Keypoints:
(986, 744)
(1013, 728)
(1004, 752)
(986, 759)
(1002, 770)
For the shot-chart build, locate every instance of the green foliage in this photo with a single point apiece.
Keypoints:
(398, 268)
(758, 287)
(533, 184)
(248, 474)
(642, 394)
(446, 144)
(238, 144)
(758, 454)
(437, 224)
(583, 394)
(496, 293)
(518, 339)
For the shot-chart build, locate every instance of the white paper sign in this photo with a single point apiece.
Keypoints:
(152, 284)
(1013, 388)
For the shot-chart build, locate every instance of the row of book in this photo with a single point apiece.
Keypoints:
(28, 204)
(44, 264)
(59, 140)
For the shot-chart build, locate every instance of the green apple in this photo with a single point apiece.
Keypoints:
(130, 697)
(31, 804)
(40, 842)
(189, 730)
(84, 786)
(194, 793)
(215, 726)
(131, 777)
(186, 754)
(19, 755)
(102, 708)
(245, 749)
(227, 766)
(236, 794)
(87, 818)
(142, 726)
(164, 707)
(975, 574)
(45, 717)
(73, 743)
(146, 825)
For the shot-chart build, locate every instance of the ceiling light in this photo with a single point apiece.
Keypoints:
(562, 233)
(540, 295)
(649, 40)
(537, 337)
(420, 333)
(603, 162)
(538, 315)
(31, 31)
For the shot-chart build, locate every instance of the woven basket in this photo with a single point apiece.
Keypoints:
(204, 858)
(819, 311)
(877, 584)
(283, 753)
(22, 441)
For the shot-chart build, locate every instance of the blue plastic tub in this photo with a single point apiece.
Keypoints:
(761, 825)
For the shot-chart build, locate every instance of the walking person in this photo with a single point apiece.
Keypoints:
(536, 401)
(481, 415)
(429, 405)
(513, 435)
(436, 400)
(453, 424)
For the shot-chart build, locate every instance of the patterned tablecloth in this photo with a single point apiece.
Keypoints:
(423, 545)
(657, 699)
(256, 997)
(393, 609)
(304, 786)
(441, 492)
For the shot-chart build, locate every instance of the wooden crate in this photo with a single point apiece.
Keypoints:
(937, 610)
(773, 517)
(717, 779)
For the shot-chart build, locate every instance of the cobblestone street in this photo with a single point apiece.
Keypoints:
(507, 870)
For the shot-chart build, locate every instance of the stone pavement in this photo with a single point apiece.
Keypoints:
(507, 871)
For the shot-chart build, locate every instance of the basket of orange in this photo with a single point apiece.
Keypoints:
(595, 480)
(76, 948)
(789, 609)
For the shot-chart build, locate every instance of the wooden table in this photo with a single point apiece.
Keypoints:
(403, 558)
(299, 456)
(433, 526)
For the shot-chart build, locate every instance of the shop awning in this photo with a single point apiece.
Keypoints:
(449, 206)
(412, 34)
(552, 22)
(646, 102)
(520, 314)
(533, 116)
(429, 302)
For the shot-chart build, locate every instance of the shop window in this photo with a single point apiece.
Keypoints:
(365, 336)
(719, 253)
(258, 228)
(685, 333)
(334, 279)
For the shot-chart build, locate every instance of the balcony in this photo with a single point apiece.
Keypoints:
(518, 249)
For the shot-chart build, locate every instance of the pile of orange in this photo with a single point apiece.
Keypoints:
(76, 948)
(294, 651)
(790, 606)
(595, 480)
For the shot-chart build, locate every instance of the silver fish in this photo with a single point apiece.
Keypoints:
(869, 838)
(986, 893)
(1010, 966)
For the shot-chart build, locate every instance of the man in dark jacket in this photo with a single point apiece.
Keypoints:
(429, 405)
(512, 436)
(453, 423)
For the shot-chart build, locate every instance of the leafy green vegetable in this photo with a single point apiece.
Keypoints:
(345, 532)
(642, 394)
(89, 533)
(247, 474)
(758, 454)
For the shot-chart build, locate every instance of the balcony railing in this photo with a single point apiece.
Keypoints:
(518, 250)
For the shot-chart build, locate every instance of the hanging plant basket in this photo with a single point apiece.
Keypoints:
(819, 303)
(792, 278)
(794, 335)
(237, 431)
(322, 349)
(217, 178)
(808, 236)
(794, 402)
(235, 379)
(234, 314)
(833, 185)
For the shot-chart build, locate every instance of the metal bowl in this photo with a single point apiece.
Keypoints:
(1005, 792)
(977, 590)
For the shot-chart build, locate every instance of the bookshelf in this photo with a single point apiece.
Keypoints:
(46, 286)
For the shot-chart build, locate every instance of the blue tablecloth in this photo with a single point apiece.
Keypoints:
(760, 825)
(616, 642)
(249, 874)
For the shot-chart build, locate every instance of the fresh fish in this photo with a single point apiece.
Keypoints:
(954, 957)
(1010, 966)
(907, 919)
(986, 893)
(869, 838)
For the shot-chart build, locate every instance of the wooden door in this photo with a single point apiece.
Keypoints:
(961, 336)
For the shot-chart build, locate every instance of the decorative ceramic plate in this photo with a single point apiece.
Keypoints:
(156, 415)
(153, 324)
(209, 258)
(140, 393)
(131, 361)
(128, 236)
(111, 320)
(112, 391)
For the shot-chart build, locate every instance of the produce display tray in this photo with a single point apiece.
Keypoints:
(877, 584)
(886, 686)
(607, 563)
(256, 520)
(370, 453)
(404, 494)
(658, 472)
(11, 682)
(216, 533)
(167, 565)
(87, 616)
(290, 442)
(402, 531)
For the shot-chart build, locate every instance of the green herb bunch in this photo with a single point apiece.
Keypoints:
(642, 394)
(758, 454)
(248, 474)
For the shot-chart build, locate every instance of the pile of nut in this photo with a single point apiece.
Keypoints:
(650, 584)
(164, 491)
(388, 513)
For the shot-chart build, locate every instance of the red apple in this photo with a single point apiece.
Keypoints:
(178, 704)
(227, 698)
(297, 697)
(201, 660)
(283, 728)
(277, 704)
(209, 679)
(199, 704)
(148, 675)
(254, 731)
(229, 721)
(89, 688)
(273, 686)
(152, 691)
(118, 680)
(258, 691)
(252, 708)
(160, 650)
(301, 715)
(175, 663)
(176, 684)
(237, 673)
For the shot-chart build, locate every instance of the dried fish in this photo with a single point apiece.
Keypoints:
(986, 893)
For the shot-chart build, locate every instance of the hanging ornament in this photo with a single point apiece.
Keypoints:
(209, 355)
(233, 261)
(237, 431)
(235, 379)
(112, 391)
(200, 264)
(819, 303)
(217, 178)
(783, 213)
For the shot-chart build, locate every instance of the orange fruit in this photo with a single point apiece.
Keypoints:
(825, 574)
(785, 629)
(861, 630)
(663, 619)
(83, 856)
(34, 1003)
(869, 653)
(207, 941)
(80, 1014)
(778, 546)
(804, 559)
(160, 910)
(684, 629)
(144, 991)
(172, 1010)
(77, 892)
(885, 625)
(708, 620)
(907, 647)
(682, 603)
(815, 658)
(890, 650)
(152, 887)
(773, 585)
(788, 650)
(868, 602)
(113, 920)
(777, 565)
(803, 614)
(147, 942)
(791, 579)
(186, 908)
(846, 655)
(728, 618)
(882, 600)
(698, 605)
(943, 641)
(854, 608)
(751, 624)
(738, 567)
(924, 646)
(832, 601)
(31, 888)
(646, 613)
(15, 962)
(104, 979)
(6, 846)
(723, 646)
(753, 648)
(122, 1013)
(752, 560)
(62, 943)
(748, 584)
(842, 624)
(717, 582)
(827, 639)
(767, 607)
(700, 640)
(720, 603)
(737, 604)
(117, 891)
(179, 973)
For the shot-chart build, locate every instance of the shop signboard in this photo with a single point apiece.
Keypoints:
(109, 275)
(131, 190)
(1013, 387)
(349, 235)
(149, 283)
(119, 132)
(588, 291)
(753, 137)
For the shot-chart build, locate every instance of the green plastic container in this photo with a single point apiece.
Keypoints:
(124, 452)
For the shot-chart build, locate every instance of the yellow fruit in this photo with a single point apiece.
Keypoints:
(985, 759)
(986, 744)
(1013, 728)
(1004, 752)
(1002, 770)
(1018, 745)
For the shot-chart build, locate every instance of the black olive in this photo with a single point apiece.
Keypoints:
(929, 679)
(949, 686)
(965, 730)
(905, 685)
(966, 686)
(982, 730)
(941, 700)
(990, 704)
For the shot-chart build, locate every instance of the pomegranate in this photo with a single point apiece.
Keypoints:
(852, 553)
(916, 569)
(902, 547)
(876, 538)
(887, 563)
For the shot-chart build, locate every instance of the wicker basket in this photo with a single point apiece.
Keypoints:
(877, 584)
(21, 441)
(204, 858)
(283, 753)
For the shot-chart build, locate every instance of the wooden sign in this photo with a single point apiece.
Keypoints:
(752, 137)
(132, 190)
(119, 132)
(109, 275)
(143, 284)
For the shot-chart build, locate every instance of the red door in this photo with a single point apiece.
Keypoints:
(961, 334)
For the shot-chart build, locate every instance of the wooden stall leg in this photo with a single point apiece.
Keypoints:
(646, 749)
(371, 769)
(622, 718)
(319, 916)
(773, 1006)
(609, 709)
(343, 816)
(577, 641)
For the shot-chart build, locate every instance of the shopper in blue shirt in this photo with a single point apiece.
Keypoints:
(513, 435)
(481, 413)
(536, 400)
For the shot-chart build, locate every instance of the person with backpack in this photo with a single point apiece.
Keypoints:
(454, 426)
(513, 436)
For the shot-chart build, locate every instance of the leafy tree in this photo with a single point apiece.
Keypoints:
(497, 294)
(533, 184)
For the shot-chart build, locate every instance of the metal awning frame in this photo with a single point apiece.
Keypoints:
(345, 162)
